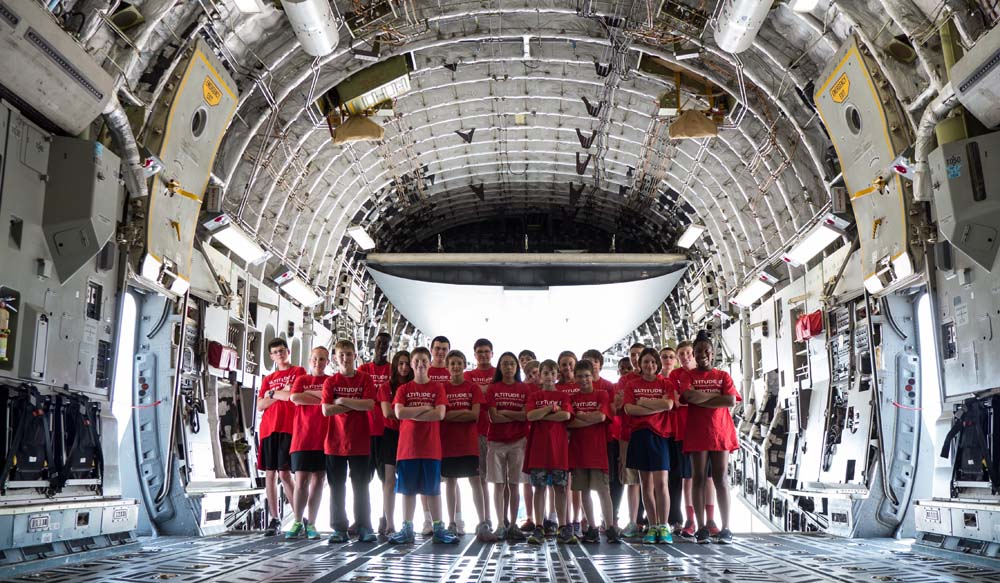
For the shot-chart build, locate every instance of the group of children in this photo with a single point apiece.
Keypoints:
(557, 434)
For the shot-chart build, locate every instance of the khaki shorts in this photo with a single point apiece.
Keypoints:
(504, 460)
(630, 477)
(585, 479)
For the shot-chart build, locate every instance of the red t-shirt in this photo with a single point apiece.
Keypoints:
(549, 446)
(420, 440)
(439, 374)
(682, 377)
(350, 433)
(311, 427)
(385, 396)
(625, 419)
(711, 429)
(568, 388)
(507, 398)
(380, 376)
(588, 445)
(280, 416)
(483, 378)
(657, 388)
(612, 429)
(460, 438)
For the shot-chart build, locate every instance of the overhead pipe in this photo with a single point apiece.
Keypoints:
(314, 25)
(739, 23)
(124, 139)
(911, 21)
(939, 108)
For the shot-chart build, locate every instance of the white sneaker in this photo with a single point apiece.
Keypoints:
(428, 528)
(459, 526)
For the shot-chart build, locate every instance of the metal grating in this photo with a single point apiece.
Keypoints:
(792, 558)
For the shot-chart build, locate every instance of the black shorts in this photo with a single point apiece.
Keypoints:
(466, 466)
(274, 456)
(680, 462)
(389, 444)
(308, 461)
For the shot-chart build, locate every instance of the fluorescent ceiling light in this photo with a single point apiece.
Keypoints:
(828, 231)
(684, 55)
(361, 237)
(755, 290)
(299, 290)
(225, 231)
(804, 5)
(690, 236)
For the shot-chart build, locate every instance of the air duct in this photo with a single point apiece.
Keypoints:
(739, 22)
(314, 25)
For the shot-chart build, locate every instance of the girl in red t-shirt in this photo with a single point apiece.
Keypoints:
(400, 375)
(710, 434)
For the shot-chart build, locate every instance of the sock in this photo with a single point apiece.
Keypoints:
(709, 512)
(690, 513)
(458, 517)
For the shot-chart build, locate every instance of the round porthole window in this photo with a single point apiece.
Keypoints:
(853, 119)
(198, 122)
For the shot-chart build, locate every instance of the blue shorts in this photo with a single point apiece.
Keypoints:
(680, 461)
(648, 452)
(418, 477)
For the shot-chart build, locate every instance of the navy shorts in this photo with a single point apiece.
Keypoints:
(648, 452)
(274, 456)
(680, 462)
(308, 461)
(418, 477)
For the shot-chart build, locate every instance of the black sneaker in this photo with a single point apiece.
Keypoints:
(273, 527)
(514, 534)
(592, 535)
(614, 534)
(725, 537)
(566, 536)
(550, 528)
(537, 537)
(702, 537)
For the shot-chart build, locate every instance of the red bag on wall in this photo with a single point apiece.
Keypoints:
(222, 356)
(809, 325)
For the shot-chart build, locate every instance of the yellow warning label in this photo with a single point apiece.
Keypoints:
(840, 89)
(211, 92)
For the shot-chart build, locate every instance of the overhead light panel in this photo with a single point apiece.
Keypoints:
(361, 237)
(295, 287)
(755, 290)
(826, 232)
(690, 236)
(224, 230)
(804, 5)
(686, 54)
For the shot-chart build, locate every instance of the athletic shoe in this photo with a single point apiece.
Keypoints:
(460, 527)
(500, 533)
(631, 531)
(550, 528)
(384, 538)
(576, 529)
(365, 535)
(592, 535)
(675, 529)
(687, 533)
(515, 535)
(451, 528)
(404, 536)
(311, 533)
(651, 537)
(725, 537)
(664, 537)
(338, 537)
(352, 530)
(528, 525)
(712, 528)
(273, 527)
(441, 535)
(383, 526)
(428, 528)
(483, 533)
(537, 537)
(296, 530)
(702, 537)
(614, 534)
(566, 536)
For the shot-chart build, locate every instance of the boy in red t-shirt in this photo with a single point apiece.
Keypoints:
(507, 438)
(628, 371)
(532, 378)
(613, 430)
(460, 443)
(379, 370)
(482, 376)
(438, 373)
(348, 397)
(567, 363)
(680, 375)
(547, 462)
(420, 406)
(308, 461)
(588, 438)
(710, 435)
(277, 421)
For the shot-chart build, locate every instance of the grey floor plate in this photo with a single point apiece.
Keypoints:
(793, 558)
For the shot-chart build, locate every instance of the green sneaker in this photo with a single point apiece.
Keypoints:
(295, 531)
(664, 537)
(311, 533)
(650, 537)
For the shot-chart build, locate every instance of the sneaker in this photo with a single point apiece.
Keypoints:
(484, 534)
(712, 528)
(675, 529)
(428, 528)
(500, 533)
(576, 529)
(441, 535)
(295, 531)
(452, 528)
(651, 537)
(528, 525)
(664, 537)
(550, 528)
(311, 533)
(702, 537)
(273, 527)
(337, 538)
(687, 533)
(566, 536)
(614, 534)
(631, 531)
(460, 527)
(537, 537)
(384, 538)
(514, 534)
(592, 535)
(383, 526)
(352, 530)
(725, 537)
(404, 536)
(365, 535)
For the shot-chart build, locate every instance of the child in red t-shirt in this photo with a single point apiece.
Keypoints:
(680, 375)
(628, 372)
(420, 406)
(277, 421)
(348, 398)
(547, 462)
(481, 376)
(566, 384)
(648, 401)
(401, 374)
(613, 430)
(379, 369)
(308, 439)
(710, 435)
(507, 439)
(588, 457)
(532, 378)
